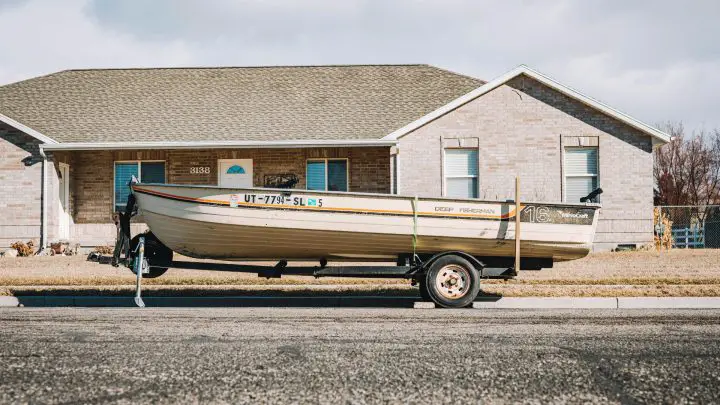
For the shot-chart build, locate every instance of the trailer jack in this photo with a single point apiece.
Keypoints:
(140, 267)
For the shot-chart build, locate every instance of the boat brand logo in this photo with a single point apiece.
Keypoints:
(574, 214)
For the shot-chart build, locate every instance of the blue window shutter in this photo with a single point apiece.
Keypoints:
(123, 175)
(315, 176)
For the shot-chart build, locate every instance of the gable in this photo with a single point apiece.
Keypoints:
(658, 136)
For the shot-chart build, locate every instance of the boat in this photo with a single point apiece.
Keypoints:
(443, 245)
(270, 224)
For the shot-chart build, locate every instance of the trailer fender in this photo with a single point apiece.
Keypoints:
(480, 266)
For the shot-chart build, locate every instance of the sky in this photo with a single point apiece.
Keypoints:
(656, 60)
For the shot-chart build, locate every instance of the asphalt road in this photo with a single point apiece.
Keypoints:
(330, 355)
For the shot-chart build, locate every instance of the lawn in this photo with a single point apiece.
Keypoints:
(643, 273)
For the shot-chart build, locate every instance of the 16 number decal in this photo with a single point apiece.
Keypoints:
(537, 214)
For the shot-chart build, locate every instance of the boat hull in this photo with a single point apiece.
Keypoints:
(261, 224)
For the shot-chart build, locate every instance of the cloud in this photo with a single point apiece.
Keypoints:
(652, 59)
(43, 36)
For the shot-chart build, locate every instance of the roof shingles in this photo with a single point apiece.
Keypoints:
(229, 104)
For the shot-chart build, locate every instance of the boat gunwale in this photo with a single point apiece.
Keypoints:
(361, 194)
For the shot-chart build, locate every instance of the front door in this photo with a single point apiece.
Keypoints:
(64, 202)
(235, 173)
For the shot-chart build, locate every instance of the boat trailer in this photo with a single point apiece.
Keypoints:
(147, 257)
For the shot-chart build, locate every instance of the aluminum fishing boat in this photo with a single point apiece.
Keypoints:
(271, 224)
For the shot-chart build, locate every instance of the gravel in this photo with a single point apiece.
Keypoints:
(331, 355)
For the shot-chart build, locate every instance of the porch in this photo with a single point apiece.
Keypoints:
(88, 186)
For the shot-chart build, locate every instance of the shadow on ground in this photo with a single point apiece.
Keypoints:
(226, 298)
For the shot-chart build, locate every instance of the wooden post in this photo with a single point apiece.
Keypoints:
(517, 225)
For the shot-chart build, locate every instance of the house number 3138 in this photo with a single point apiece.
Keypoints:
(200, 170)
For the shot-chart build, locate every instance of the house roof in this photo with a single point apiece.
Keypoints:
(253, 104)
(659, 137)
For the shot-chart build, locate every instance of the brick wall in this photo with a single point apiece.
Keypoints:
(520, 129)
(92, 176)
(20, 186)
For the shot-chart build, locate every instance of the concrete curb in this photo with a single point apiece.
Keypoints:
(549, 302)
(9, 301)
(607, 303)
(668, 302)
(366, 301)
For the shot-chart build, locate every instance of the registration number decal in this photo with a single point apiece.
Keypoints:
(270, 199)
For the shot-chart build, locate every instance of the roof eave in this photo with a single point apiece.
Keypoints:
(658, 136)
(307, 143)
(26, 129)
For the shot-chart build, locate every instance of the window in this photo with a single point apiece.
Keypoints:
(581, 173)
(327, 174)
(461, 173)
(147, 172)
(235, 169)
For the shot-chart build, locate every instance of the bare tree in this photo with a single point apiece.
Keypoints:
(687, 169)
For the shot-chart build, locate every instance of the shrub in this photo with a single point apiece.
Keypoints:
(664, 238)
(24, 249)
(104, 250)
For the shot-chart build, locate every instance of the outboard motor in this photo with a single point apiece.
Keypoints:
(591, 197)
(122, 222)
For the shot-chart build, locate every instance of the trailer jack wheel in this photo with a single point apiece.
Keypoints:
(452, 282)
(158, 256)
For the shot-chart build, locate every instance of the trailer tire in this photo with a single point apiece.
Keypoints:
(157, 255)
(452, 282)
(424, 293)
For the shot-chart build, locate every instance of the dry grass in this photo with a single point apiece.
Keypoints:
(712, 290)
(363, 289)
(672, 264)
(649, 273)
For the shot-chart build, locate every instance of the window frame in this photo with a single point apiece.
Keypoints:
(585, 175)
(326, 160)
(139, 167)
(445, 176)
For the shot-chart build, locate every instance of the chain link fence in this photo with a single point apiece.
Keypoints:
(687, 227)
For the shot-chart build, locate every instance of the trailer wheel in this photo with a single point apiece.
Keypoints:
(157, 255)
(452, 282)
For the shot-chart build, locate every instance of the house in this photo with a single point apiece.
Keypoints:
(70, 141)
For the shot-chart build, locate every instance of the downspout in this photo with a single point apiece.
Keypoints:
(395, 174)
(43, 200)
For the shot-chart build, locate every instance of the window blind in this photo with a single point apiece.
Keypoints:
(337, 175)
(152, 172)
(581, 161)
(581, 173)
(461, 162)
(461, 173)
